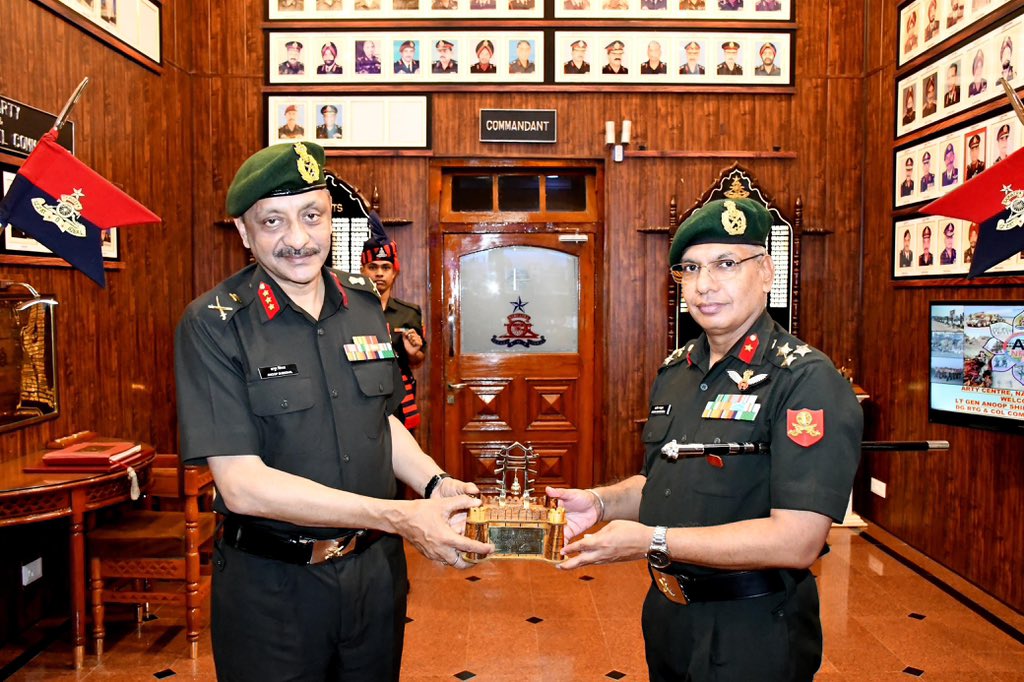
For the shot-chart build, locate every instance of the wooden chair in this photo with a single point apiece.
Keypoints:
(157, 556)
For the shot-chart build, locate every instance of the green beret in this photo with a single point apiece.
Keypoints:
(728, 221)
(278, 170)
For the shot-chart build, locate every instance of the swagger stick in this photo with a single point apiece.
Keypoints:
(66, 111)
(1014, 99)
(674, 450)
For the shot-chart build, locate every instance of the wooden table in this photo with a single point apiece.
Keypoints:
(30, 498)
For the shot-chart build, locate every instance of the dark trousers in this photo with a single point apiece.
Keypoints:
(342, 620)
(776, 638)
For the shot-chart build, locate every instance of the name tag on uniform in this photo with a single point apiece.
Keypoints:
(660, 410)
(275, 371)
(732, 406)
(368, 348)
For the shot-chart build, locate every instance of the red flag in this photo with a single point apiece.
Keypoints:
(64, 204)
(994, 200)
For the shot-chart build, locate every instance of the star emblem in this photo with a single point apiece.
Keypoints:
(518, 305)
(787, 360)
(802, 350)
(785, 350)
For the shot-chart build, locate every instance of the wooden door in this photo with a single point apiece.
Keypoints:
(519, 358)
(515, 263)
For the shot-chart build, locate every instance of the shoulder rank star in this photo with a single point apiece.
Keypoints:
(747, 380)
(802, 350)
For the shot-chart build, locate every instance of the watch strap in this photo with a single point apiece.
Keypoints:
(434, 481)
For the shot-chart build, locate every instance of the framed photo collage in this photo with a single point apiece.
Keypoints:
(135, 23)
(356, 43)
(926, 23)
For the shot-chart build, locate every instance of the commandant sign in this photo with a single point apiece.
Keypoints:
(538, 126)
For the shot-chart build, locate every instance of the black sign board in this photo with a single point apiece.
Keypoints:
(519, 125)
(21, 126)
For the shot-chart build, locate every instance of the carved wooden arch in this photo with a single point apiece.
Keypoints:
(783, 245)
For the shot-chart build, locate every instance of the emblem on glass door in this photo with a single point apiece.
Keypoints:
(518, 328)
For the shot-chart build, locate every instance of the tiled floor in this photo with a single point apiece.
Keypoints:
(526, 621)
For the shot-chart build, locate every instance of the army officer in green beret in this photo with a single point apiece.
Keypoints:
(729, 536)
(286, 377)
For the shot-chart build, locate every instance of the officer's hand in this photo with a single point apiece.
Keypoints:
(618, 541)
(582, 510)
(453, 487)
(427, 524)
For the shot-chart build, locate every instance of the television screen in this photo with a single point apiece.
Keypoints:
(977, 364)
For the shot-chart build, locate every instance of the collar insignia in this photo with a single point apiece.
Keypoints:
(269, 301)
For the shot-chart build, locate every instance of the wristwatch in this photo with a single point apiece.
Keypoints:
(433, 483)
(658, 555)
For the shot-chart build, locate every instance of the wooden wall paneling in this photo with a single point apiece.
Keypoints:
(961, 507)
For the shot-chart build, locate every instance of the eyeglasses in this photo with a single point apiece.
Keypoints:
(719, 270)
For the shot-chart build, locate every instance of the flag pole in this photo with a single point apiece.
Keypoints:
(66, 111)
(1014, 99)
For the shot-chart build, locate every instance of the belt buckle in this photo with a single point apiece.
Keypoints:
(670, 586)
(335, 550)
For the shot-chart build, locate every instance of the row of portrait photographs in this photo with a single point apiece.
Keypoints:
(409, 56)
(774, 10)
(962, 79)
(136, 22)
(722, 58)
(350, 122)
(365, 10)
(924, 23)
(930, 169)
(934, 246)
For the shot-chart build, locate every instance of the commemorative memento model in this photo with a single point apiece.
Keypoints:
(518, 524)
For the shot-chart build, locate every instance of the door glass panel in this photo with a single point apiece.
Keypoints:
(472, 193)
(518, 192)
(566, 193)
(519, 299)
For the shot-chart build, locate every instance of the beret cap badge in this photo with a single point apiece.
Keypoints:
(308, 167)
(733, 220)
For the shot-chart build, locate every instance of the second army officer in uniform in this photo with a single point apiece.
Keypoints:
(405, 321)
(729, 538)
(285, 382)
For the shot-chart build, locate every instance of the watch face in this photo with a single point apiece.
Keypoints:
(658, 558)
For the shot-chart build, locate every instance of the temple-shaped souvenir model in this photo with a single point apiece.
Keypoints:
(519, 524)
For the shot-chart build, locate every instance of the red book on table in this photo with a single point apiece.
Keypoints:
(90, 456)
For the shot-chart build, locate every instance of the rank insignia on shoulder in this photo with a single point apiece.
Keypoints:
(368, 348)
(222, 309)
(747, 380)
(675, 355)
(805, 427)
(353, 279)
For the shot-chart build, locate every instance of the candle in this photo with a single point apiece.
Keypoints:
(627, 127)
(609, 132)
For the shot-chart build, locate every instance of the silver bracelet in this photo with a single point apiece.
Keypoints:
(600, 501)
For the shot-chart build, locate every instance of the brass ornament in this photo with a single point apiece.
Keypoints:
(733, 220)
(309, 169)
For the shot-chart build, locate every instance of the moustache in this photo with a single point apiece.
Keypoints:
(289, 252)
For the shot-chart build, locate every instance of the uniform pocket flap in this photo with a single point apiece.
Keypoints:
(656, 428)
(375, 377)
(283, 395)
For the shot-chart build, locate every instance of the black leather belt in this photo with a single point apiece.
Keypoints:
(683, 588)
(255, 539)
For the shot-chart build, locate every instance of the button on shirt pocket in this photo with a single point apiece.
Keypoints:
(656, 429)
(280, 396)
(376, 380)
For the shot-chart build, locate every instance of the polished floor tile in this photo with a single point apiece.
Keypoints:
(523, 621)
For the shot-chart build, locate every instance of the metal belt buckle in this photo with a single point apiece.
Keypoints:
(338, 549)
(670, 586)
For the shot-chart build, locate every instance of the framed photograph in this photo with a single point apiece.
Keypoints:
(926, 23)
(722, 10)
(716, 58)
(15, 242)
(963, 78)
(350, 121)
(131, 24)
(405, 56)
(375, 10)
(936, 247)
(943, 162)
